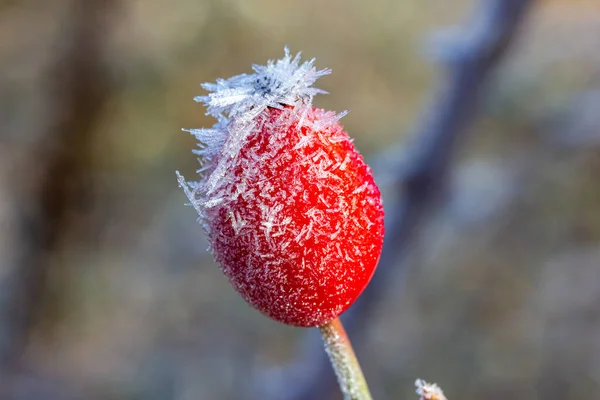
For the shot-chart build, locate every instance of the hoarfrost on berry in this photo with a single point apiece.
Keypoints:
(291, 210)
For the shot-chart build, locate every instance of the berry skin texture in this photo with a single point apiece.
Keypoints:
(303, 239)
(291, 210)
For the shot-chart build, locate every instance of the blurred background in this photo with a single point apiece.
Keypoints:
(106, 288)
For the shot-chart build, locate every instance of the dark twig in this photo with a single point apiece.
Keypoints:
(79, 89)
(470, 61)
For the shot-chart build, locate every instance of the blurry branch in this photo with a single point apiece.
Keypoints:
(470, 59)
(79, 88)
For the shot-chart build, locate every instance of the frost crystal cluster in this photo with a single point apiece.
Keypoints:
(291, 210)
(429, 391)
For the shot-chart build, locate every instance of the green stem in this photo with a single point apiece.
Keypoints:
(345, 364)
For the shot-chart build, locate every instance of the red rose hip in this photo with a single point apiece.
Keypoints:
(293, 215)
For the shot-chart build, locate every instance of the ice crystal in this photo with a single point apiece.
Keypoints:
(283, 81)
(429, 391)
(237, 104)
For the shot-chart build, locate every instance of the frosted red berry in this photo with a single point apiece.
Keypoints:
(292, 212)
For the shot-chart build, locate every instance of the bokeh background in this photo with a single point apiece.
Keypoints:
(107, 292)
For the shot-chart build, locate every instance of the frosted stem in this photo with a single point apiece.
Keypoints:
(345, 364)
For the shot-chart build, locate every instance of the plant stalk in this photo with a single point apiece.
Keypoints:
(345, 364)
